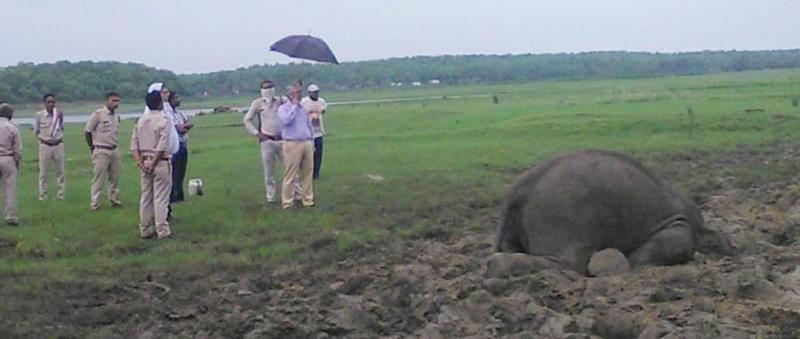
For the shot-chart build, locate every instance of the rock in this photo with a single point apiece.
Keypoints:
(495, 286)
(616, 323)
(502, 265)
(555, 325)
(432, 331)
(655, 330)
(680, 274)
(609, 261)
(375, 177)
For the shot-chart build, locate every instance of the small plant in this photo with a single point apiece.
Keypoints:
(795, 101)
(692, 123)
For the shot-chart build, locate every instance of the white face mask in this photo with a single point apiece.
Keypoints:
(267, 93)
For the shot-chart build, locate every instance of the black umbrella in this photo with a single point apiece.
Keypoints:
(305, 47)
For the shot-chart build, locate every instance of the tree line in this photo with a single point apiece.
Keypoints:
(27, 82)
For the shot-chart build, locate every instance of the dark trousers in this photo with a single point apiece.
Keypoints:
(179, 162)
(317, 156)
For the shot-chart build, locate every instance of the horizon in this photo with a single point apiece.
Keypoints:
(204, 36)
(301, 62)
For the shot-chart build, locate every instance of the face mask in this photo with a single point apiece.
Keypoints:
(267, 93)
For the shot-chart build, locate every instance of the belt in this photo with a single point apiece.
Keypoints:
(51, 143)
(273, 138)
(110, 148)
(152, 157)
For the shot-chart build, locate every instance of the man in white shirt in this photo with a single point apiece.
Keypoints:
(316, 108)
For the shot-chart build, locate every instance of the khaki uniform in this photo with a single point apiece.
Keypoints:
(10, 155)
(103, 125)
(151, 136)
(266, 114)
(45, 131)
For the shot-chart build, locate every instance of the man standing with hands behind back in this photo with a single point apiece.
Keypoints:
(49, 129)
(101, 137)
(298, 148)
(150, 145)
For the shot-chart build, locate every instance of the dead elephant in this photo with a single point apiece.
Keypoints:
(566, 209)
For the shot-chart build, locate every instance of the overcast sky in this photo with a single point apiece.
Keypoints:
(189, 36)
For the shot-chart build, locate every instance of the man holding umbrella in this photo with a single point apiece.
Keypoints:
(298, 148)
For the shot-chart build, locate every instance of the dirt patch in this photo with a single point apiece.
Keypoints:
(432, 284)
(7, 246)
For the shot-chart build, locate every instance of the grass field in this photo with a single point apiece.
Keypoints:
(439, 158)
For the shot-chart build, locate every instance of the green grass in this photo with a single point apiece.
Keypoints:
(440, 159)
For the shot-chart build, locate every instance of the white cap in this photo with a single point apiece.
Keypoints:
(155, 87)
(313, 88)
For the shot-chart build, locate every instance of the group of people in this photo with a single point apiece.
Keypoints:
(101, 134)
(289, 128)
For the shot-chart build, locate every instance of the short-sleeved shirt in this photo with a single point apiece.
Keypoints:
(45, 128)
(266, 111)
(10, 143)
(151, 134)
(316, 109)
(103, 124)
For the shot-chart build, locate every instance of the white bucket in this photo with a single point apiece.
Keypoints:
(195, 186)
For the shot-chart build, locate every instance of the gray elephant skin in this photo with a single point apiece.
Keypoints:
(562, 211)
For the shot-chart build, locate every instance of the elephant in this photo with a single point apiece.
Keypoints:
(563, 210)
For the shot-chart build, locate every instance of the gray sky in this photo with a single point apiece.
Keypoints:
(210, 35)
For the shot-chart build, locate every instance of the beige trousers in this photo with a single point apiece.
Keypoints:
(298, 158)
(271, 152)
(153, 205)
(8, 173)
(48, 155)
(106, 164)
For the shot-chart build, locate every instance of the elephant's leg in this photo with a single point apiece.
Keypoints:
(502, 265)
(673, 244)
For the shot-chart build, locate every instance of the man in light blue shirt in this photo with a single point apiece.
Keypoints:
(298, 148)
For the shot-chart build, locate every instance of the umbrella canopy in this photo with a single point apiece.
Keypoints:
(305, 47)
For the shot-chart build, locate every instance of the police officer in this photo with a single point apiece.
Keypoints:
(268, 132)
(49, 129)
(10, 156)
(150, 144)
(101, 136)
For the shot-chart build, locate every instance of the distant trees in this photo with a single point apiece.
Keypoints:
(89, 80)
(84, 80)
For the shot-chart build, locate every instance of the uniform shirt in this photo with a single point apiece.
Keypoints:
(151, 134)
(103, 125)
(296, 124)
(173, 145)
(316, 109)
(266, 111)
(10, 144)
(45, 128)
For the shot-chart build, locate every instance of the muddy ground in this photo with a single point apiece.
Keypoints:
(432, 284)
